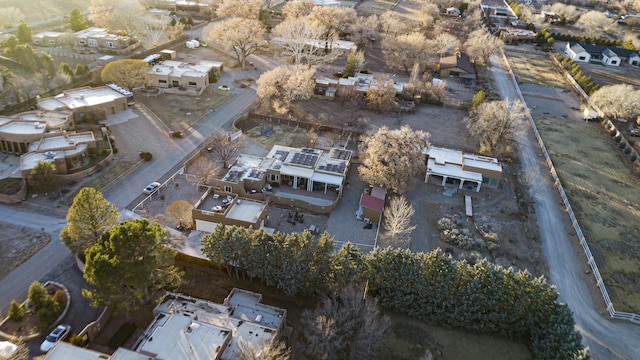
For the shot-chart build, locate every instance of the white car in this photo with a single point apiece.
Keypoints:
(151, 188)
(59, 333)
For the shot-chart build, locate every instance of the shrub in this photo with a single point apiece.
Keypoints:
(77, 340)
(16, 312)
(146, 156)
(124, 333)
(49, 311)
(37, 295)
(459, 237)
(177, 134)
(60, 297)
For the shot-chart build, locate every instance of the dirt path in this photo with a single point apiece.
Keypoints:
(606, 339)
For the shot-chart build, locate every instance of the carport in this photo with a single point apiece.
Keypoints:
(297, 174)
(327, 179)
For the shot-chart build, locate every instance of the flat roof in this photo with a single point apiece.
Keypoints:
(481, 162)
(452, 170)
(444, 156)
(23, 127)
(81, 97)
(246, 210)
(257, 330)
(179, 336)
(61, 142)
(29, 160)
(180, 68)
(65, 351)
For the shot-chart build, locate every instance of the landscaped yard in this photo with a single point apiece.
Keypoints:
(604, 194)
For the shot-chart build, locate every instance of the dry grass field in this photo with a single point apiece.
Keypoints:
(604, 194)
(534, 69)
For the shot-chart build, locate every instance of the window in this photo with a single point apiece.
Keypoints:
(52, 42)
(82, 42)
(227, 188)
(162, 82)
(192, 84)
(274, 177)
(93, 42)
(614, 62)
(175, 83)
(582, 58)
(110, 44)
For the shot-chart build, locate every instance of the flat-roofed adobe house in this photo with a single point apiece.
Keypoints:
(187, 328)
(219, 207)
(19, 131)
(458, 65)
(466, 171)
(86, 102)
(93, 38)
(67, 151)
(178, 75)
(47, 38)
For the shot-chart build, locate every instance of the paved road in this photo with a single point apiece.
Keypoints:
(607, 339)
(127, 190)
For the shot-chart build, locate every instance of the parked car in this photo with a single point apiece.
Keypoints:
(151, 188)
(59, 333)
(224, 88)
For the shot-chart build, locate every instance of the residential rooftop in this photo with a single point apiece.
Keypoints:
(81, 97)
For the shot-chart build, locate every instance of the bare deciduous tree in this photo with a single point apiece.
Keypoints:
(494, 123)
(297, 8)
(241, 35)
(392, 158)
(117, 15)
(481, 45)
(302, 40)
(569, 12)
(202, 169)
(334, 18)
(10, 16)
(594, 22)
(381, 94)
(180, 212)
(248, 9)
(223, 147)
(346, 326)
(444, 44)
(286, 84)
(621, 100)
(157, 30)
(393, 24)
(364, 30)
(403, 51)
(397, 222)
(247, 351)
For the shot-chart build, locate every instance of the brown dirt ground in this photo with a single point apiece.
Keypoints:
(17, 245)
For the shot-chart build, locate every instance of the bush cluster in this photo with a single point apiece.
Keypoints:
(48, 307)
(586, 82)
(146, 156)
(461, 237)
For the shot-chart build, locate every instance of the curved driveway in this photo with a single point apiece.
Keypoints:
(607, 338)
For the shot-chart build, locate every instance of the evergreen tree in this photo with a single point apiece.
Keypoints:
(65, 69)
(90, 216)
(16, 312)
(77, 22)
(46, 64)
(37, 295)
(128, 264)
(81, 69)
(43, 176)
(25, 33)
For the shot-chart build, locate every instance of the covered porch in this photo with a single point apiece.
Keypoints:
(453, 175)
